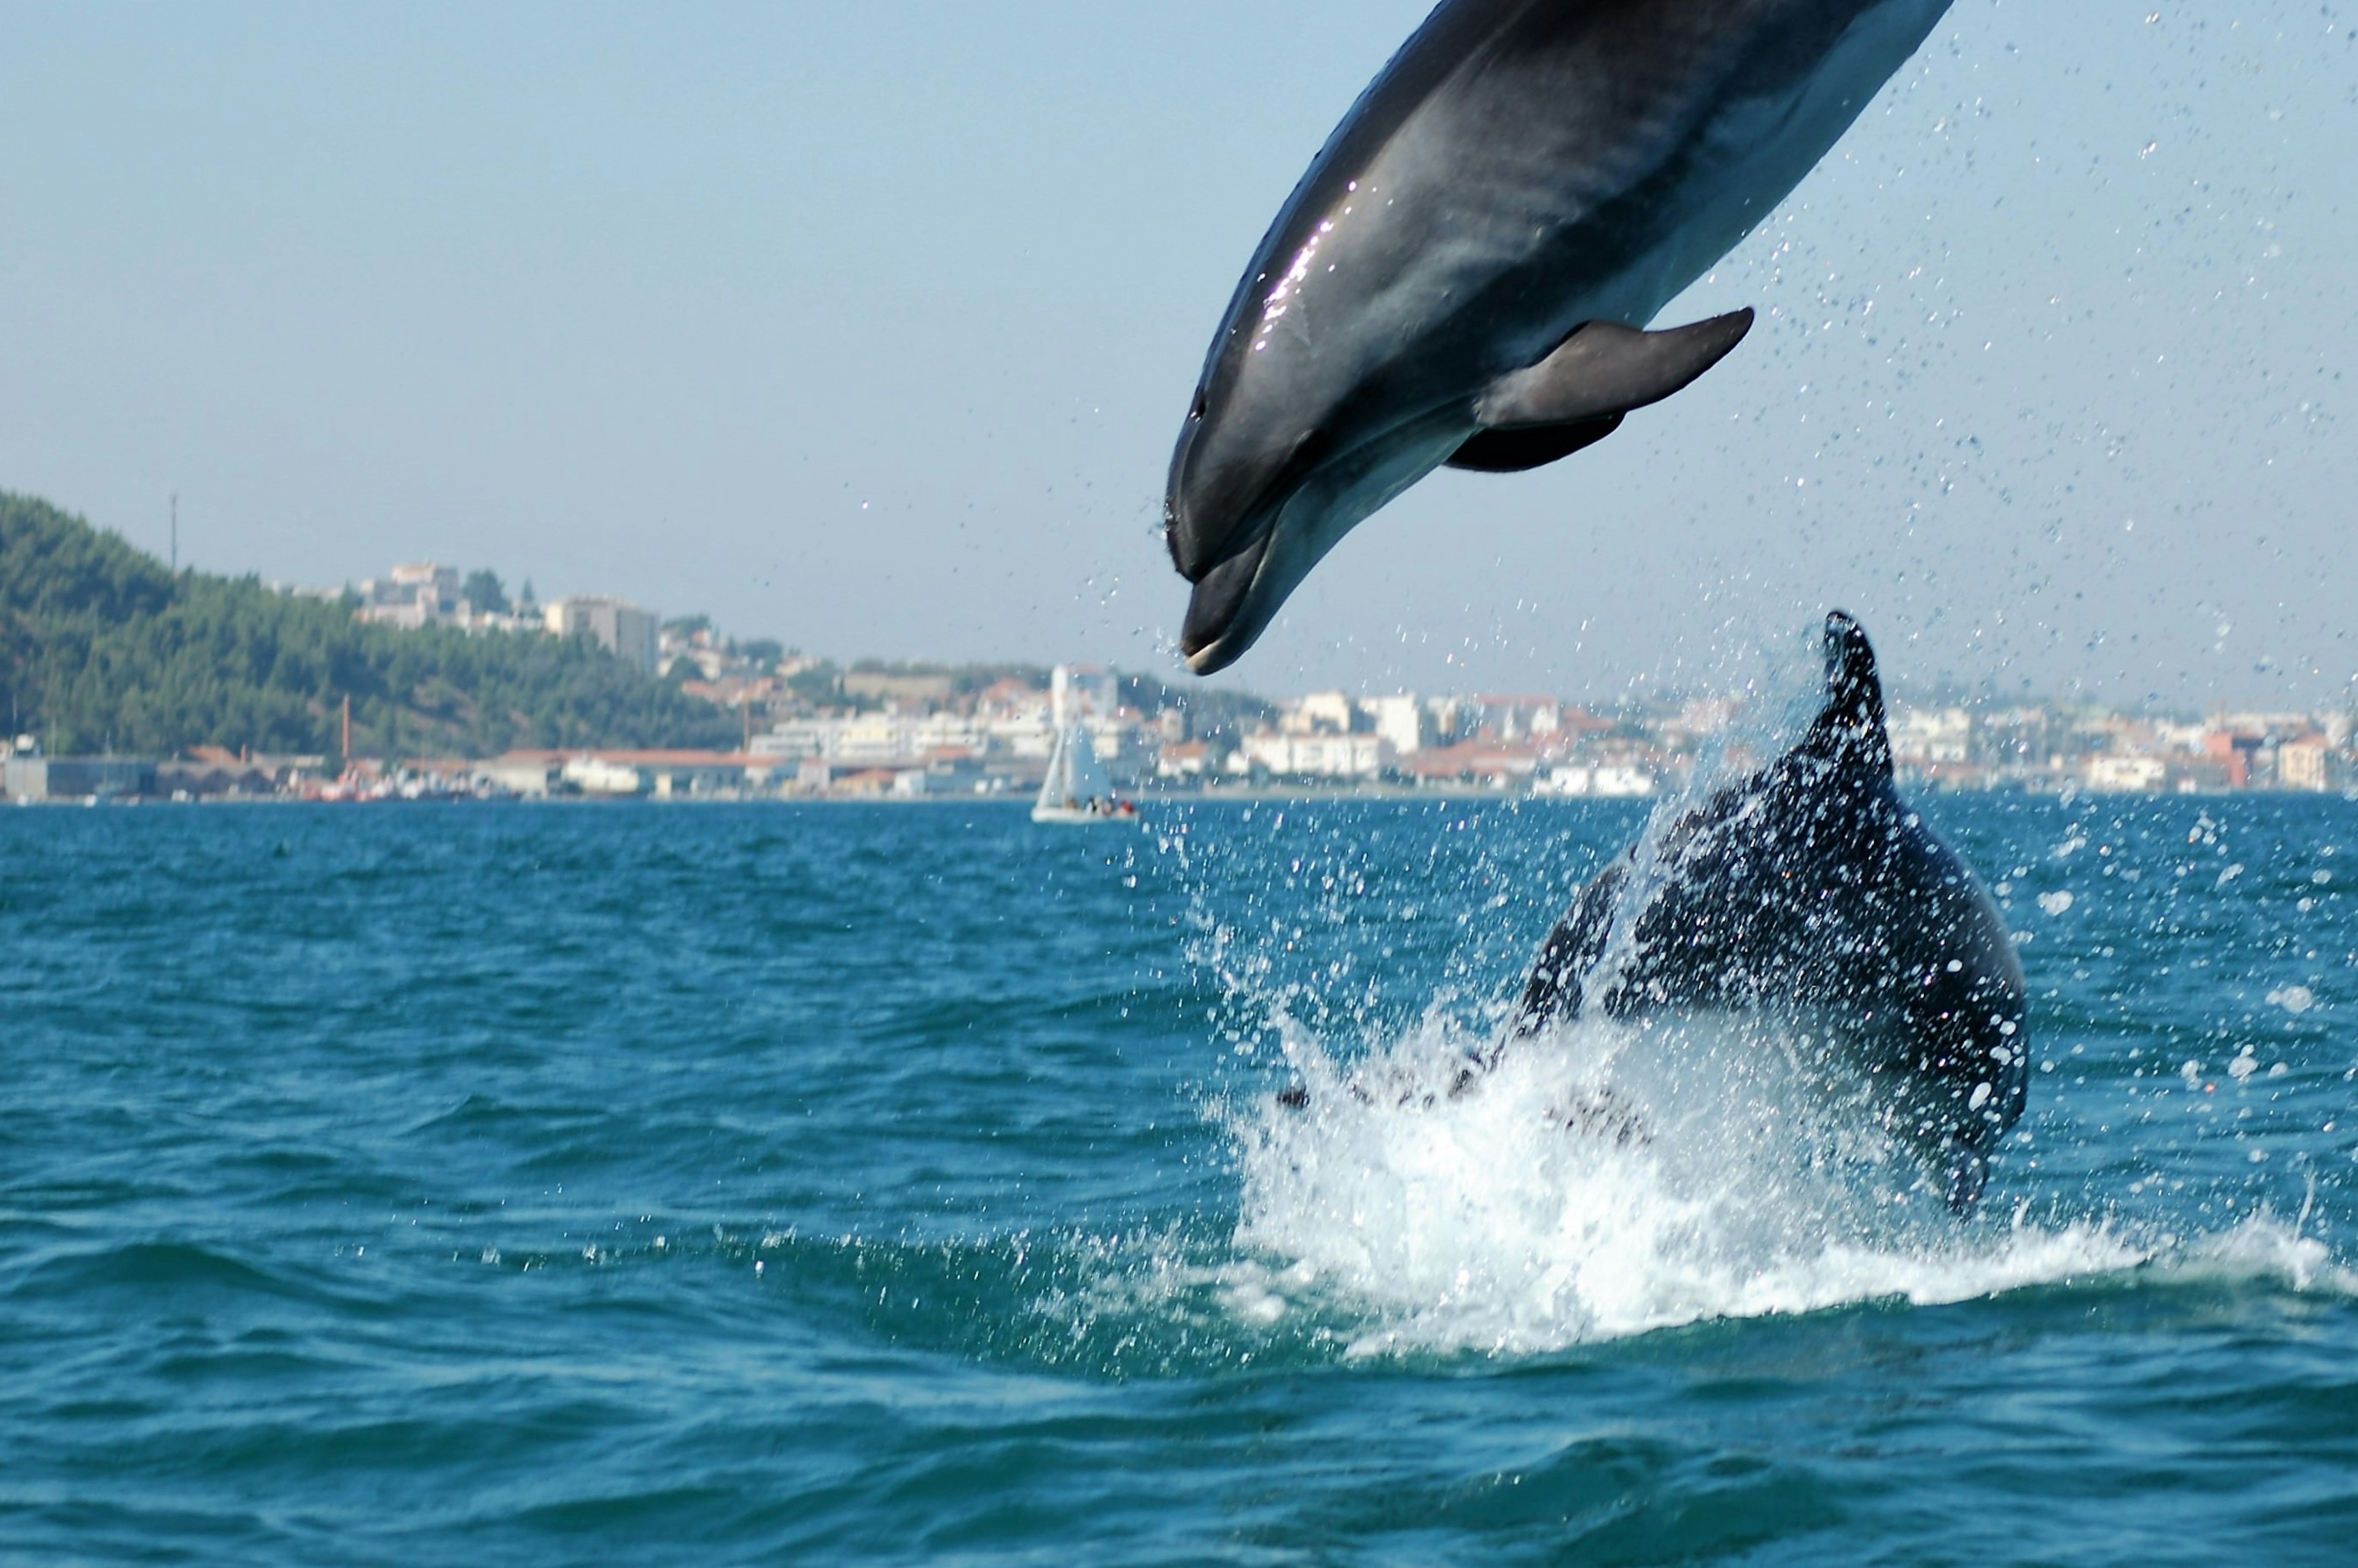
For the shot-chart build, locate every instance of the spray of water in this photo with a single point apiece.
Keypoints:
(1610, 1180)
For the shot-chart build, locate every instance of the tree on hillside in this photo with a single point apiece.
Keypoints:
(482, 590)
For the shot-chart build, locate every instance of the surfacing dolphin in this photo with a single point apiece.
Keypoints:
(1810, 894)
(1462, 275)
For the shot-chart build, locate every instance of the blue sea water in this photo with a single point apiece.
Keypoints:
(873, 1185)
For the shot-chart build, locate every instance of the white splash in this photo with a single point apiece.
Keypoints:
(1718, 1179)
(2266, 1247)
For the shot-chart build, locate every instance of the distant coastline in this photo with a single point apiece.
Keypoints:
(128, 680)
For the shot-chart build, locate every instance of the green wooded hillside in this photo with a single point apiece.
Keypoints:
(101, 646)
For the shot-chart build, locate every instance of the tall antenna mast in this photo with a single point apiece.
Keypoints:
(176, 533)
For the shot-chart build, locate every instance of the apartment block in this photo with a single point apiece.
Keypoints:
(623, 629)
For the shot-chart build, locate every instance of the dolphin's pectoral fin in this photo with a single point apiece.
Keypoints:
(1603, 371)
(1578, 394)
(1529, 446)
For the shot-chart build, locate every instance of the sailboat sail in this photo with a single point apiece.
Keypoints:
(1077, 788)
(1076, 778)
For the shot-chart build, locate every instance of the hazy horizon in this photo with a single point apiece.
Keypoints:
(872, 332)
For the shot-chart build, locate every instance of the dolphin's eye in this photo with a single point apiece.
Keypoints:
(1195, 409)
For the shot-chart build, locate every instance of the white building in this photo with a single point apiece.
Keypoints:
(422, 593)
(1319, 756)
(596, 776)
(629, 633)
(2301, 764)
(1320, 713)
(1923, 736)
(891, 740)
(874, 740)
(1184, 759)
(1403, 720)
(1508, 717)
(2127, 775)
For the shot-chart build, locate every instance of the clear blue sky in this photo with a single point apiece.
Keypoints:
(870, 327)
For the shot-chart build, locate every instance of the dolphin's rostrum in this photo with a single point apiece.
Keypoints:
(1810, 893)
(1463, 275)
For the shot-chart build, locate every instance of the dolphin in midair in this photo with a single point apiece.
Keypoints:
(1810, 893)
(1465, 274)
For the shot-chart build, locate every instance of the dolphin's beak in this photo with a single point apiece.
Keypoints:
(1216, 634)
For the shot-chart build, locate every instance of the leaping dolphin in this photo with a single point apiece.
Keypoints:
(1809, 892)
(1463, 274)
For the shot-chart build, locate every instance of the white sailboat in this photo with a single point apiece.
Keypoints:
(1076, 789)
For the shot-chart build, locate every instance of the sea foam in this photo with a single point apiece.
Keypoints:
(1608, 1181)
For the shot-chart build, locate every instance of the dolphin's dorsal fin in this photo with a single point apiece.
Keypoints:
(1579, 392)
(1850, 729)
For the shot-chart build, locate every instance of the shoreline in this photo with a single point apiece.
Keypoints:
(1242, 797)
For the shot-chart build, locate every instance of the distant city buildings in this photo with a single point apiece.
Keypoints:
(427, 593)
(905, 731)
(917, 734)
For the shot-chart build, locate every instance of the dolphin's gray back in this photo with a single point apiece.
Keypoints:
(1538, 163)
